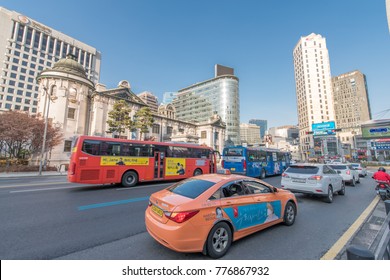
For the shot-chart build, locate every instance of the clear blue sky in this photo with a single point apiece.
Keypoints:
(167, 45)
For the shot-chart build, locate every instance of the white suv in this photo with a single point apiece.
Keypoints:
(348, 172)
(316, 179)
(360, 168)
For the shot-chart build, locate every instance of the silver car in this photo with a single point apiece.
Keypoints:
(350, 174)
(315, 179)
(360, 168)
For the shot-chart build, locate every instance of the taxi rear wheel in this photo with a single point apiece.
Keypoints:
(219, 240)
(289, 214)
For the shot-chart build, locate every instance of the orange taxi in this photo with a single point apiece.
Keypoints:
(207, 213)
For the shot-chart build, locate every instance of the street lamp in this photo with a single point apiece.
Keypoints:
(48, 98)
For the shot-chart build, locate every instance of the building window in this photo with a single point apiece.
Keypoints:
(169, 130)
(71, 113)
(203, 134)
(156, 128)
(67, 146)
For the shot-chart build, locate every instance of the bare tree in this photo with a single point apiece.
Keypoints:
(21, 135)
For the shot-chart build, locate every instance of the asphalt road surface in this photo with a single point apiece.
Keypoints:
(49, 218)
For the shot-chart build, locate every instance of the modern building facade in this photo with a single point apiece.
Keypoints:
(286, 131)
(26, 48)
(168, 97)
(313, 87)
(250, 134)
(220, 95)
(150, 99)
(351, 104)
(263, 124)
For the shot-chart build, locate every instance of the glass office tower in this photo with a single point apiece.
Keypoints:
(197, 103)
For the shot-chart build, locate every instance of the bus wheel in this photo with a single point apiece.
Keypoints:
(198, 172)
(262, 175)
(129, 179)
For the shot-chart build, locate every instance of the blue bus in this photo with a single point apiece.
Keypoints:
(255, 162)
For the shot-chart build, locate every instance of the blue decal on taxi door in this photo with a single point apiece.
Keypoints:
(246, 216)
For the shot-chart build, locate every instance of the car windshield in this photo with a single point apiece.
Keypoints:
(356, 165)
(338, 167)
(191, 188)
(302, 169)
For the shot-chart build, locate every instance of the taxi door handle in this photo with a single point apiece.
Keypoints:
(228, 202)
(259, 199)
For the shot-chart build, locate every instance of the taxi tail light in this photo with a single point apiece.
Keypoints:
(316, 177)
(181, 217)
(284, 175)
(244, 164)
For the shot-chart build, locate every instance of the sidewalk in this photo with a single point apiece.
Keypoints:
(370, 233)
(31, 174)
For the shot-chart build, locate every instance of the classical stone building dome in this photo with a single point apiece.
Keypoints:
(70, 65)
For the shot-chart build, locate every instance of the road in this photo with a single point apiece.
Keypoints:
(49, 218)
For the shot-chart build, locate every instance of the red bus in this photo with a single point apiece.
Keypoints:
(98, 160)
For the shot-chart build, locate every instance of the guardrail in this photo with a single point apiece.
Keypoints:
(382, 252)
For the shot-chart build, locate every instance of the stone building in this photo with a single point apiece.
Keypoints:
(68, 99)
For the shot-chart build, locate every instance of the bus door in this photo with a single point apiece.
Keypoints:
(213, 161)
(159, 165)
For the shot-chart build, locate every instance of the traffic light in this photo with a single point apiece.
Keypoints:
(308, 132)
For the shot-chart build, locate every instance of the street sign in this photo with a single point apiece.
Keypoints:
(322, 129)
(383, 144)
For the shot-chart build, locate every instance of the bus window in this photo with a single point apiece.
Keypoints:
(237, 152)
(91, 147)
(180, 152)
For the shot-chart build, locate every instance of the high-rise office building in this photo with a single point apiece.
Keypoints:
(313, 87)
(351, 104)
(263, 126)
(26, 48)
(250, 134)
(150, 99)
(198, 102)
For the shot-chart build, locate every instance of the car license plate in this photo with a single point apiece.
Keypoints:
(232, 169)
(157, 210)
(299, 180)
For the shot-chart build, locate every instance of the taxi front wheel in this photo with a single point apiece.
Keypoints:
(219, 240)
